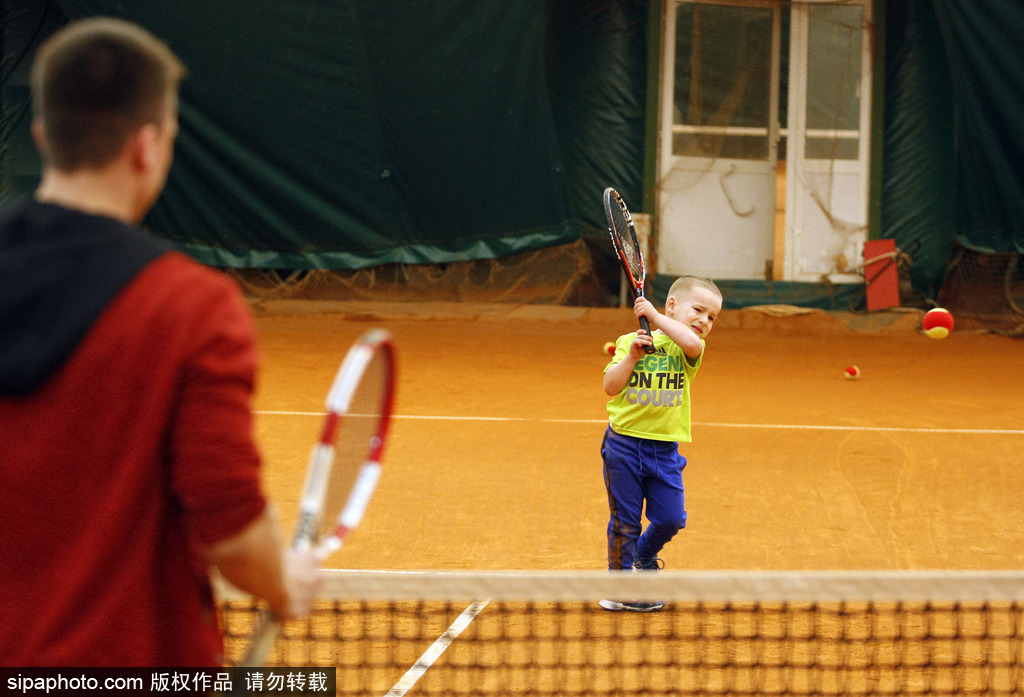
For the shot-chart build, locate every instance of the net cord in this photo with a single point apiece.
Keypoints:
(678, 586)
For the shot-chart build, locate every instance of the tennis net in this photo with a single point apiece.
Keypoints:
(720, 633)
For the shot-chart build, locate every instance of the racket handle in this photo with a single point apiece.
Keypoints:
(646, 326)
(264, 637)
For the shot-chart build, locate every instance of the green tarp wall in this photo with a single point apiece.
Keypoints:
(954, 148)
(352, 133)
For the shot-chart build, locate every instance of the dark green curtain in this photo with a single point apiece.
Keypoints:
(985, 51)
(918, 171)
(596, 61)
(954, 148)
(22, 26)
(352, 133)
(597, 77)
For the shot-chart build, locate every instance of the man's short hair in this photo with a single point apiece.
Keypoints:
(94, 83)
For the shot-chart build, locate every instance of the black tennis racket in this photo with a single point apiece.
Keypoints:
(345, 464)
(627, 247)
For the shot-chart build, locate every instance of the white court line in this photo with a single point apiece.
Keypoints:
(424, 662)
(789, 427)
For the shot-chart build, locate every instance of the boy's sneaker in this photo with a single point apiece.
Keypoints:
(647, 564)
(632, 605)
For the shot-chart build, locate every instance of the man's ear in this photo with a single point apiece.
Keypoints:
(145, 148)
(39, 135)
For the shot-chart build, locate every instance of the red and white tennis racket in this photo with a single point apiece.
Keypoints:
(345, 464)
(627, 248)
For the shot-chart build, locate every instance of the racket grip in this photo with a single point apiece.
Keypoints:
(268, 628)
(646, 326)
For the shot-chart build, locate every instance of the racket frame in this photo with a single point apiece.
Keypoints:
(339, 399)
(612, 198)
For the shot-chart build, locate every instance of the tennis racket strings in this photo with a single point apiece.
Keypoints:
(620, 225)
(358, 436)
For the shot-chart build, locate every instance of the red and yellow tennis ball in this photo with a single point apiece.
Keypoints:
(937, 323)
(852, 372)
(609, 348)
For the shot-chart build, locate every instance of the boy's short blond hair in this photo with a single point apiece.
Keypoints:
(684, 283)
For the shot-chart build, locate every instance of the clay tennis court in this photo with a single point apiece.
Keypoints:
(494, 457)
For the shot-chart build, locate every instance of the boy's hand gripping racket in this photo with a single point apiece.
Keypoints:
(345, 463)
(627, 247)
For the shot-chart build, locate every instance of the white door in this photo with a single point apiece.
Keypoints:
(726, 208)
(828, 148)
(718, 144)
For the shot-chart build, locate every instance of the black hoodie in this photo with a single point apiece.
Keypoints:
(58, 270)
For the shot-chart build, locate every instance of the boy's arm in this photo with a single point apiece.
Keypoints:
(617, 377)
(684, 337)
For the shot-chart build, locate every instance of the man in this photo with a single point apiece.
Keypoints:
(127, 460)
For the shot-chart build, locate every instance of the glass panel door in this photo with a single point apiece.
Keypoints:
(719, 120)
(829, 112)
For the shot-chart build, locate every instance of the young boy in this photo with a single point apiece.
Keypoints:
(649, 416)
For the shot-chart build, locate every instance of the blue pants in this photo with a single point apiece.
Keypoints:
(635, 470)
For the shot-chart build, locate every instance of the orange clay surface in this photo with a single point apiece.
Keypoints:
(493, 461)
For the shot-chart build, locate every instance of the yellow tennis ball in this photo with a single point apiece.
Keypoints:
(852, 372)
(937, 323)
(609, 348)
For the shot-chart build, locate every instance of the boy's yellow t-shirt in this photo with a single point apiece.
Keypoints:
(655, 404)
